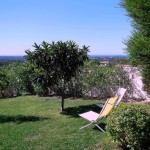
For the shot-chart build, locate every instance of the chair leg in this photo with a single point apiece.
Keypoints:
(95, 125)
(86, 125)
(99, 128)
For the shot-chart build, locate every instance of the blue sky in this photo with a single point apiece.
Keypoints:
(100, 24)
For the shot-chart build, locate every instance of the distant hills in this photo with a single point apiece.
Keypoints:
(5, 60)
(21, 58)
(108, 56)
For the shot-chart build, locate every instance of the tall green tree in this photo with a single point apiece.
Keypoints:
(138, 44)
(57, 63)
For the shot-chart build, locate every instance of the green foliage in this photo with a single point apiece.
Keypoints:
(4, 81)
(56, 61)
(103, 81)
(75, 87)
(139, 49)
(20, 78)
(130, 125)
(56, 64)
(138, 10)
(123, 61)
(138, 45)
(146, 80)
(40, 90)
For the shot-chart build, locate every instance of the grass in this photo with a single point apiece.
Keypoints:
(31, 122)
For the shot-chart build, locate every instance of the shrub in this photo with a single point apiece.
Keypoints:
(130, 125)
(4, 82)
(40, 89)
(20, 78)
(103, 81)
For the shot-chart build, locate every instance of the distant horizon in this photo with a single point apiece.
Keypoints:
(88, 55)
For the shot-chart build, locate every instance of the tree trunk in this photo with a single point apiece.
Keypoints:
(62, 97)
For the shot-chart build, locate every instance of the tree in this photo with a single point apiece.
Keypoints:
(138, 44)
(57, 63)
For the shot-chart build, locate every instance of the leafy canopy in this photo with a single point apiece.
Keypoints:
(55, 64)
(138, 44)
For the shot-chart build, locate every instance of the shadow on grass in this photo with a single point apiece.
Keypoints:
(75, 111)
(19, 119)
(102, 125)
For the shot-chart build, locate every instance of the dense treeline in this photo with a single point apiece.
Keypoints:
(138, 44)
(42, 74)
(93, 81)
(123, 61)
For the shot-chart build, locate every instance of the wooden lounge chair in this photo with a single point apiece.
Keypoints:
(120, 93)
(93, 117)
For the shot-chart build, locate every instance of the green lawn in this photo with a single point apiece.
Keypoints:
(31, 122)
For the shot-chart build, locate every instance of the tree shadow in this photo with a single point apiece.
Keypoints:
(20, 119)
(75, 111)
